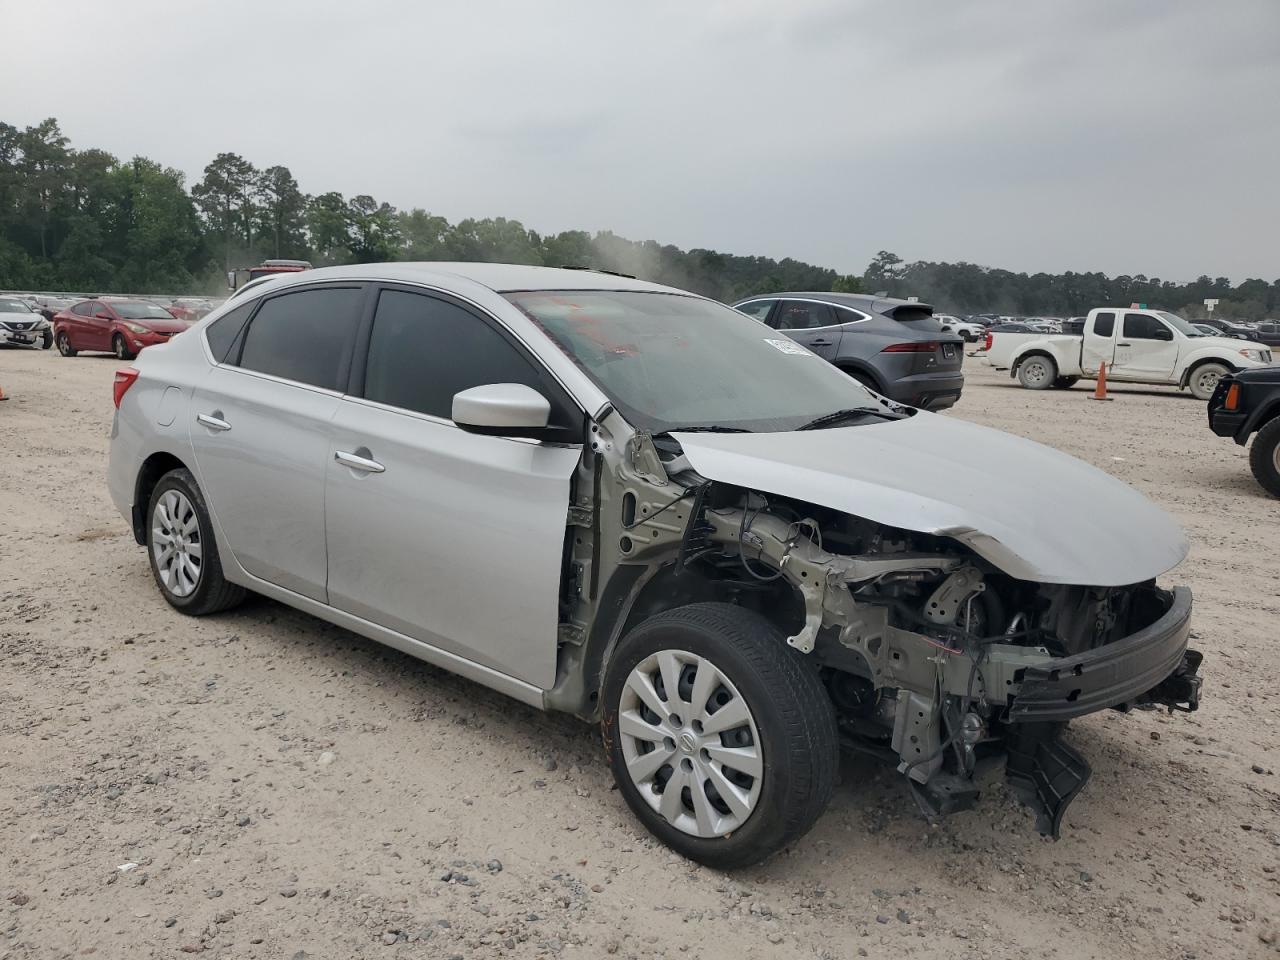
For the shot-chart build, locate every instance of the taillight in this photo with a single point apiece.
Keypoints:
(990, 338)
(124, 380)
(917, 346)
(1233, 397)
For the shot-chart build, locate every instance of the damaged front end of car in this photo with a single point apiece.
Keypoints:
(933, 655)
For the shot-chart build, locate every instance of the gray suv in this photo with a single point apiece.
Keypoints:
(625, 502)
(895, 347)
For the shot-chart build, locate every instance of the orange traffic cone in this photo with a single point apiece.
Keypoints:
(3, 395)
(1100, 391)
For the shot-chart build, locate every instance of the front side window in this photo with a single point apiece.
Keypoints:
(1141, 326)
(803, 315)
(304, 336)
(668, 361)
(757, 309)
(423, 350)
(1104, 324)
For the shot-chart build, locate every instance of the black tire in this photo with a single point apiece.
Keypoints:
(791, 710)
(1203, 380)
(213, 592)
(1065, 383)
(1264, 457)
(64, 345)
(120, 348)
(47, 340)
(1037, 372)
(863, 379)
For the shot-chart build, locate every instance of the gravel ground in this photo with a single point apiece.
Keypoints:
(261, 784)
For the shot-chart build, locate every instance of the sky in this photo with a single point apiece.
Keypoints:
(1127, 136)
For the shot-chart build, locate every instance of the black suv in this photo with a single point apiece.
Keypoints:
(1249, 402)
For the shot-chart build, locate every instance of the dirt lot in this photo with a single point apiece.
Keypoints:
(261, 784)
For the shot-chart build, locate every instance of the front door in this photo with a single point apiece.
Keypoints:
(810, 323)
(98, 328)
(448, 537)
(1146, 349)
(261, 426)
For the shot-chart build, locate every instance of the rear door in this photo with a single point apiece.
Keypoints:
(1146, 349)
(446, 536)
(1099, 344)
(99, 326)
(261, 428)
(76, 324)
(811, 323)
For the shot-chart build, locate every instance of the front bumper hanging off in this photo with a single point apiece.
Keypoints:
(1152, 667)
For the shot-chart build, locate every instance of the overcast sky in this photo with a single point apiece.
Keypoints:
(1129, 136)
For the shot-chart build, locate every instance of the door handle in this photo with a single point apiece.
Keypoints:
(213, 423)
(363, 464)
(1124, 344)
(820, 343)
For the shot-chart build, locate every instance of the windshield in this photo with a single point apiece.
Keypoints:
(1175, 321)
(669, 361)
(137, 310)
(13, 306)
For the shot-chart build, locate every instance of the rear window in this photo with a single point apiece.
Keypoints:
(921, 316)
(224, 332)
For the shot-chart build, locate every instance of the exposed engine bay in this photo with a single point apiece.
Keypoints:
(932, 656)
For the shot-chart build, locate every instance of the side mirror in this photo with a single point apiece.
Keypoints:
(102, 315)
(501, 409)
(1162, 333)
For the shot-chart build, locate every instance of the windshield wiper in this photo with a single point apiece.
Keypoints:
(830, 419)
(706, 428)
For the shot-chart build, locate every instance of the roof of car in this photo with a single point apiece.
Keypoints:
(499, 277)
(861, 301)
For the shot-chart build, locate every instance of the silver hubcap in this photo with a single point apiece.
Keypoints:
(1275, 457)
(690, 743)
(1036, 372)
(177, 544)
(1209, 381)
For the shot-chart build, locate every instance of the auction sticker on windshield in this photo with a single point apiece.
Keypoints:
(788, 346)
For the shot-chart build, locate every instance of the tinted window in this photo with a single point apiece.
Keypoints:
(759, 309)
(424, 350)
(223, 332)
(1140, 326)
(802, 315)
(304, 336)
(1104, 324)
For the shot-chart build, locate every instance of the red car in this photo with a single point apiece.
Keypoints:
(122, 327)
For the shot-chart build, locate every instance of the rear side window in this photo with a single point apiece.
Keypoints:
(304, 336)
(1140, 326)
(83, 309)
(912, 315)
(803, 315)
(423, 350)
(757, 309)
(224, 332)
(1104, 324)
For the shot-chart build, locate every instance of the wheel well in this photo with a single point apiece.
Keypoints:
(856, 370)
(1018, 361)
(153, 468)
(1186, 374)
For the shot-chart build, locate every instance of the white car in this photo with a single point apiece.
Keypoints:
(22, 325)
(642, 507)
(969, 332)
(1137, 346)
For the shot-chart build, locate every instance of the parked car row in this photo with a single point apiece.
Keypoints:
(667, 517)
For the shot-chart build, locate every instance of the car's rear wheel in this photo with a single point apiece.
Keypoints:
(1037, 373)
(120, 348)
(721, 737)
(64, 345)
(1204, 379)
(1264, 457)
(181, 548)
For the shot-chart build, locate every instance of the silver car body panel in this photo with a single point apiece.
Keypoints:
(457, 541)
(1048, 517)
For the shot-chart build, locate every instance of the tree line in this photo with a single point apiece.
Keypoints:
(85, 220)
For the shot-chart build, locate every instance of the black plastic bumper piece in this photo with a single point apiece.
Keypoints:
(1045, 772)
(1122, 674)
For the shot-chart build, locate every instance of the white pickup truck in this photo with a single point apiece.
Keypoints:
(1138, 346)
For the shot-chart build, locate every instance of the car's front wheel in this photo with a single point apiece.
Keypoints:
(46, 339)
(1037, 373)
(64, 345)
(721, 737)
(1264, 457)
(1204, 379)
(120, 348)
(181, 548)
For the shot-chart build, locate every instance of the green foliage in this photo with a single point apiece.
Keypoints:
(82, 220)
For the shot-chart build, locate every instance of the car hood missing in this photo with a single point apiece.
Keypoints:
(1034, 512)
